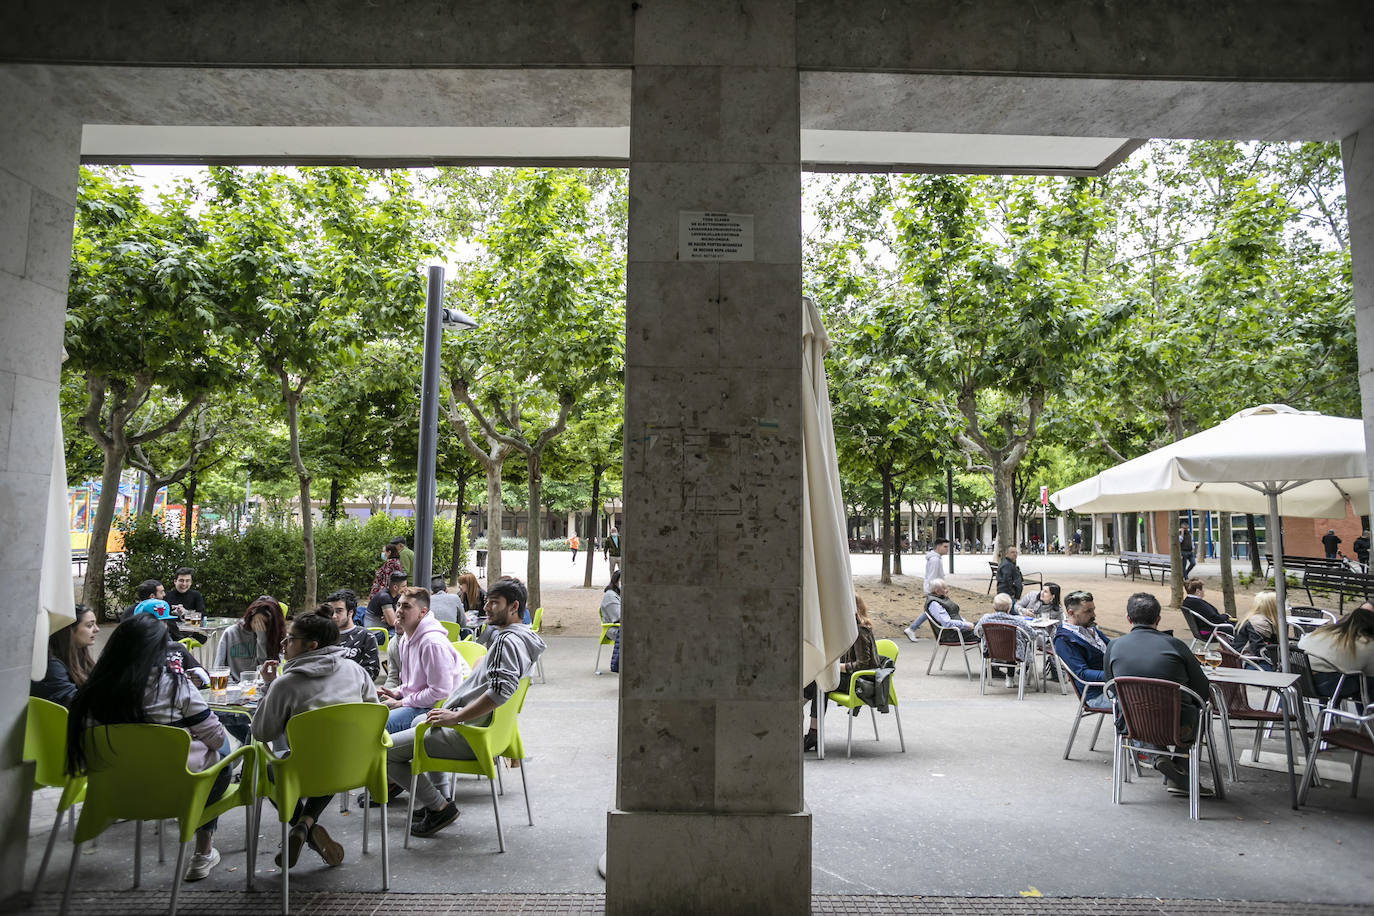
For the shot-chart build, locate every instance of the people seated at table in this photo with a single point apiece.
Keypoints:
(1147, 652)
(1257, 628)
(430, 666)
(356, 643)
(1345, 647)
(861, 656)
(1196, 602)
(474, 598)
(1081, 646)
(513, 650)
(69, 659)
(315, 672)
(381, 607)
(1002, 613)
(245, 647)
(1009, 579)
(148, 588)
(1044, 603)
(133, 682)
(185, 600)
(944, 610)
(444, 606)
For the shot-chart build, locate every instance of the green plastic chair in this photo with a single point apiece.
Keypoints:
(488, 742)
(535, 620)
(125, 762)
(850, 700)
(607, 639)
(471, 651)
(383, 636)
(333, 749)
(45, 743)
(454, 630)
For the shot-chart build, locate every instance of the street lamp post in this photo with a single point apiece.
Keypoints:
(437, 320)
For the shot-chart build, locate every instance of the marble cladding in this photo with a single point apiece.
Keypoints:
(1357, 153)
(39, 152)
(709, 863)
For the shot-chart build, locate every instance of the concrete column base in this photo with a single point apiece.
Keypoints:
(660, 862)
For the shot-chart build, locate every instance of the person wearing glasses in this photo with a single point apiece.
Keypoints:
(315, 672)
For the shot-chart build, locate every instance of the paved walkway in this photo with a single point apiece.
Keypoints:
(981, 807)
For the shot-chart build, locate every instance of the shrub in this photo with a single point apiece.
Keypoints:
(233, 570)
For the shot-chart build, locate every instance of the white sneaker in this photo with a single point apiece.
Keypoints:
(910, 634)
(201, 865)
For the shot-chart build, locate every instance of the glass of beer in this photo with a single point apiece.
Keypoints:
(1214, 659)
(219, 680)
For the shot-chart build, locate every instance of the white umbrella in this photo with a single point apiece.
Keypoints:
(56, 605)
(1270, 459)
(828, 626)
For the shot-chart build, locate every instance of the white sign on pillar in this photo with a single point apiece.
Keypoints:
(710, 236)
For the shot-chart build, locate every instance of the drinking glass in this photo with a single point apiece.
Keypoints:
(219, 680)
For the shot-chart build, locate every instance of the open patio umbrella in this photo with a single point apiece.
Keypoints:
(828, 627)
(1264, 460)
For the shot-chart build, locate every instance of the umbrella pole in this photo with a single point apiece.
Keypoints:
(1280, 583)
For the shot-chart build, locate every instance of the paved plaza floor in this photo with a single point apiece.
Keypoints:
(980, 806)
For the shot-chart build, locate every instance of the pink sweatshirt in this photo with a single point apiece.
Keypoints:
(429, 665)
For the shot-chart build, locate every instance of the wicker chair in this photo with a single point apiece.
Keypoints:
(1235, 706)
(948, 638)
(999, 649)
(1151, 709)
(1204, 631)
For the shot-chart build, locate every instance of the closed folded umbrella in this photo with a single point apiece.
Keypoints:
(56, 604)
(828, 625)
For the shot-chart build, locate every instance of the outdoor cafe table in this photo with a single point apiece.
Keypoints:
(213, 629)
(1285, 684)
(1044, 627)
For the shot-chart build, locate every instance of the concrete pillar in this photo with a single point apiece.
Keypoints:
(1357, 155)
(709, 762)
(39, 151)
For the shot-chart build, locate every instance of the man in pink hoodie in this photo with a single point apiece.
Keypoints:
(430, 666)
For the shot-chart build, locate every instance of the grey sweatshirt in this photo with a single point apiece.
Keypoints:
(242, 651)
(510, 656)
(321, 677)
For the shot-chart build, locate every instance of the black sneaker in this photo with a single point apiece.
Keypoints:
(393, 792)
(1174, 774)
(434, 821)
(421, 811)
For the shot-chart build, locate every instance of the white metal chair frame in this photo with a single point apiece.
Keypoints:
(1362, 723)
(1084, 710)
(964, 644)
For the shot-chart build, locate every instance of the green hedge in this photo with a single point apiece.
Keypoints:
(232, 570)
(513, 543)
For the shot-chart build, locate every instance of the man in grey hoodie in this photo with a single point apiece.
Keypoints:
(511, 654)
(317, 672)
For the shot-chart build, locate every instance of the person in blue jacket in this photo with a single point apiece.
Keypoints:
(1080, 644)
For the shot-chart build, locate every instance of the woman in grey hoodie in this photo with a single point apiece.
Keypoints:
(316, 672)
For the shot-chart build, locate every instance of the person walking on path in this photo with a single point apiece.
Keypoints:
(1187, 550)
(574, 543)
(935, 572)
(612, 549)
(1330, 542)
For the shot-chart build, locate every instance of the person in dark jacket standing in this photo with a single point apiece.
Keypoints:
(1330, 542)
(1187, 550)
(1009, 575)
(1146, 652)
(1361, 547)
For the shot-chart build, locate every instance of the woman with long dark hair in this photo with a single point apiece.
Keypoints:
(134, 682)
(473, 598)
(69, 659)
(253, 640)
(1343, 648)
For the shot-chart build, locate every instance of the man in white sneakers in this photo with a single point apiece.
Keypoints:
(935, 572)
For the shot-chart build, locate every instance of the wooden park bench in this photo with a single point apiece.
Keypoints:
(1133, 562)
(1340, 582)
(1036, 579)
(1294, 564)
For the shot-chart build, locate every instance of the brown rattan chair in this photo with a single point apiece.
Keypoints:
(999, 649)
(1150, 708)
(1235, 706)
(1357, 736)
(1102, 708)
(950, 638)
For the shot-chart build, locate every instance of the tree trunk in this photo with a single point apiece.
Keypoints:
(1002, 491)
(594, 516)
(1228, 582)
(1252, 540)
(293, 397)
(93, 591)
(1175, 561)
(189, 514)
(331, 513)
(534, 536)
(884, 537)
(460, 510)
(494, 510)
(897, 536)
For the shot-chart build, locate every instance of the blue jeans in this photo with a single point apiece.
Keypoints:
(400, 718)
